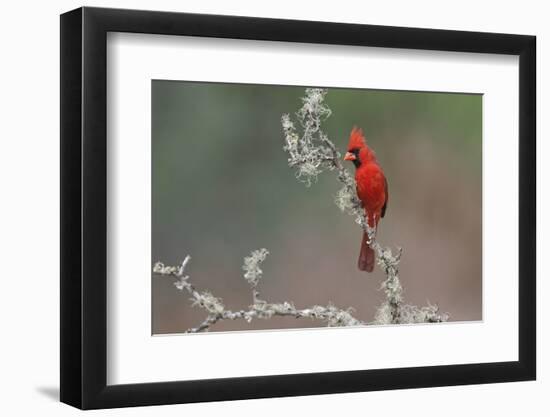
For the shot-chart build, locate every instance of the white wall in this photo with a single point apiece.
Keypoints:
(29, 238)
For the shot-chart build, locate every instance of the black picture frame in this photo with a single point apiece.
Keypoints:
(84, 207)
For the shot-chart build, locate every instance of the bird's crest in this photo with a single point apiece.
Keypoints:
(356, 139)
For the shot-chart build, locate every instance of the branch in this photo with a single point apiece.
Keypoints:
(311, 153)
(259, 309)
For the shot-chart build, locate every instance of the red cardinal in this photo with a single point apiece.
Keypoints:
(372, 190)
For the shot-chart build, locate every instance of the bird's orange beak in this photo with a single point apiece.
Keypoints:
(349, 157)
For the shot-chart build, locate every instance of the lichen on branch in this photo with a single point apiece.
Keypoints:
(312, 148)
(311, 153)
(259, 309)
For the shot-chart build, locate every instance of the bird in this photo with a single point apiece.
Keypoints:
(372, 190)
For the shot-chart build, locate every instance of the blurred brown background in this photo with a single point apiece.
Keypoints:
(221, 187)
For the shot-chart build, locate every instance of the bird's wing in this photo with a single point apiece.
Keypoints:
(387, 196)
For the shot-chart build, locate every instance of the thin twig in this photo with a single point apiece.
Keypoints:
(259, 309)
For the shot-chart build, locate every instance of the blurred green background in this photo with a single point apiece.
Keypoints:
(221, 187)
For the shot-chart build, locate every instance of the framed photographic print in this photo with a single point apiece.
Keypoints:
(257, 208)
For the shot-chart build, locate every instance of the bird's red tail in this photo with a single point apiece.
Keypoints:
(366, 255)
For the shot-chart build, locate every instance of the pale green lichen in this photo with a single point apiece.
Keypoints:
(251, 266)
